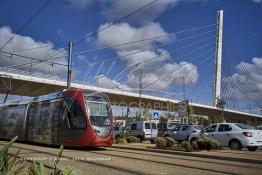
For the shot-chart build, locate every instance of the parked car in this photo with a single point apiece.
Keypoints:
(235, 135)
(118, 130)
(145, 130)
(182, 132)
(164, 126)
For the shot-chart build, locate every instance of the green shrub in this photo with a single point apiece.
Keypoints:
(200, 144)
(161, 142)
(194, 145)
(8, 163)
(132, 139)
(123, 135)
(215, 144)
(208, 144)
(169, 142)
(186, 145)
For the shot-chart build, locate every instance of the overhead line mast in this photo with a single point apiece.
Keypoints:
(218, 61)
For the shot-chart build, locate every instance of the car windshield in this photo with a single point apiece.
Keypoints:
(243, 126)
(154, 126)
(198, 127)
(98, 112)
(147, 126)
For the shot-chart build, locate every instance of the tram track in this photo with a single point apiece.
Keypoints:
(180, 158)
(209, 156)
(171, 164)
(133, 157)
(126, 170)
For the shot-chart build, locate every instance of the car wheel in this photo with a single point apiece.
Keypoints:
(252, 148)
(235, 145)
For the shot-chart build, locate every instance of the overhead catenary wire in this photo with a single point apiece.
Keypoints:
(115, 58)
(115, 22)
(95, 33)
(23, 26)
(51, 57)
(31, 58)
(44, 45)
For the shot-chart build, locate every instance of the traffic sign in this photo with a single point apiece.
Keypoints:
(155, 115)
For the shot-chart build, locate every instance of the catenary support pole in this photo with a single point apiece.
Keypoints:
(69, 66)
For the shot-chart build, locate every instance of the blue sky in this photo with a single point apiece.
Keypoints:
(65, 20)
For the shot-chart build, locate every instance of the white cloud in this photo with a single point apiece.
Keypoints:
(124, 32)
(157, 63)
(20, 42)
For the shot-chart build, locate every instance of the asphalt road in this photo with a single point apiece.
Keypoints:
(144, 159)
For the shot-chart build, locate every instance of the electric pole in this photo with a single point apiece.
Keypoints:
(69, 65)
(140, 92)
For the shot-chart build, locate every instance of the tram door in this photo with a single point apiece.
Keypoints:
(73, 123)
(43, 121)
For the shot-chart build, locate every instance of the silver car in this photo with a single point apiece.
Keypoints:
(235, 135)
(182, 132)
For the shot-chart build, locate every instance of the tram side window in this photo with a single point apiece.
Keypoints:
(75, 116)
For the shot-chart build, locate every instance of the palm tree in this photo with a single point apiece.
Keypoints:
(221, 105)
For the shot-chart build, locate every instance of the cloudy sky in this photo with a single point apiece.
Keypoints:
(178, 46)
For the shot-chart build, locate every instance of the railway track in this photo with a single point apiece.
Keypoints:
(147, 158)
(125, 170)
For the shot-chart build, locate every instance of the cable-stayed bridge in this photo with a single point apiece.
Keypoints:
(36, 85)
(232, 83)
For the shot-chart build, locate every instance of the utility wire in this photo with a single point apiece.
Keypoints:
(31, 58)
(195, 28)
(23, 26)
(95, 33)
(117, 21)
(39, 47)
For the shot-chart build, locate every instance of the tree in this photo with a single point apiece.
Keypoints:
(162, 119)
(147, 115)
(221, 105)
(170, 116)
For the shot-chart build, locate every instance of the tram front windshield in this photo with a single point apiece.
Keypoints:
(98, 109)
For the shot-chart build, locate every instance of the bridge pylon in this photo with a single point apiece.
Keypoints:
(218, 59)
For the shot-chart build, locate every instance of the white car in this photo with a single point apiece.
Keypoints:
(145, 130)
(235, 135)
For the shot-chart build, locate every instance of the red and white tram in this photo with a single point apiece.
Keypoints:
(75, 117)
